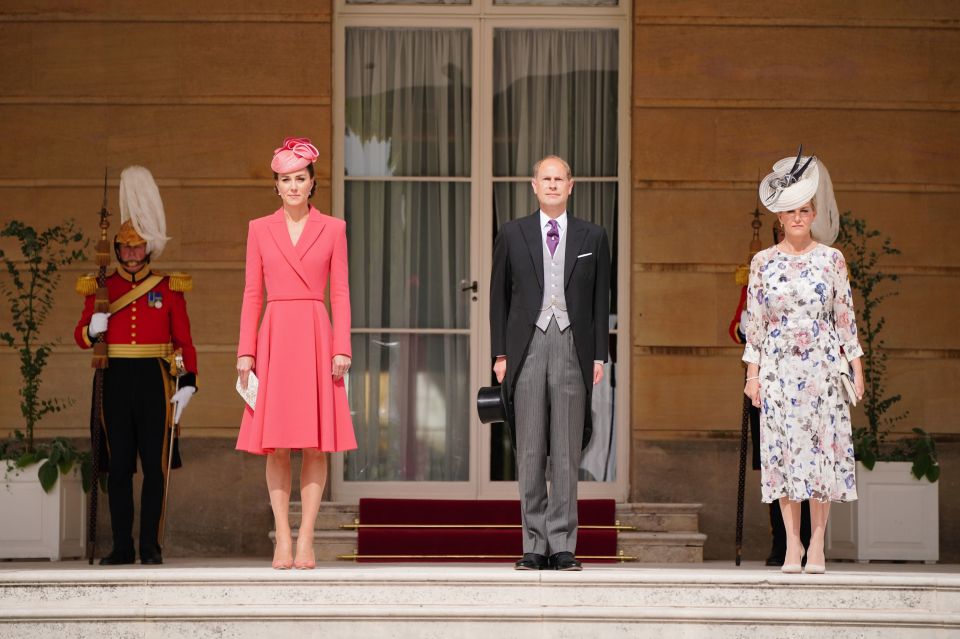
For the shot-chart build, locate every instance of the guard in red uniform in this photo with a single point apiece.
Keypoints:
(146, 325)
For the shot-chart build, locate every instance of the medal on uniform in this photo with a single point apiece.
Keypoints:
(155, 299)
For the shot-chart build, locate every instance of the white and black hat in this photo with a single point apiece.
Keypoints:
(796, 181)
(792, 184)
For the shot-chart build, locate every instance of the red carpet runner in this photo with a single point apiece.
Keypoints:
(435, 530)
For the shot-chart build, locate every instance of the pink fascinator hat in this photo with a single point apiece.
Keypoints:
(295, 154)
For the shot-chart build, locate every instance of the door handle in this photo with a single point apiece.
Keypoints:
(467, 285)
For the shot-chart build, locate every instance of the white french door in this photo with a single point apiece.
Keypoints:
(438, 120)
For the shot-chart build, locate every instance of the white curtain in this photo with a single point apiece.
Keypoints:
(408, 114)
(411, 89)
(556, 92)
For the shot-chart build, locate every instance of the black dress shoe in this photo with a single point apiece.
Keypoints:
(565, 561)
(151, 557)
(118, 558)
(531, 561)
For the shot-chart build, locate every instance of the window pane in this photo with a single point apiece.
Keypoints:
(592, 201)
(559, 3)
(409, 399)
(596, 202)
(555, 93)
(408, 1)
(407, 102)
(409, 249)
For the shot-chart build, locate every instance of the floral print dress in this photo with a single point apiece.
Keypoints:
(799, 315)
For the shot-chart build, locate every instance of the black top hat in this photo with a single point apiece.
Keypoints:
(492, 404)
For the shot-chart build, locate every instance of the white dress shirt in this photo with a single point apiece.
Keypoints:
(545, 225)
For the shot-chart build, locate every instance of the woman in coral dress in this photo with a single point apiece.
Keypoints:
(299, 358)
(800, 326)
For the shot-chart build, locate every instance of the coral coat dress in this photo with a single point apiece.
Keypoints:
(298, 403)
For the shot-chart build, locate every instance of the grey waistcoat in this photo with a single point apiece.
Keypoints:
(554, 301)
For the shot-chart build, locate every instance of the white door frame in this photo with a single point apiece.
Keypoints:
(482, 28)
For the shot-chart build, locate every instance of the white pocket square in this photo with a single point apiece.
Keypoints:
(584, 255)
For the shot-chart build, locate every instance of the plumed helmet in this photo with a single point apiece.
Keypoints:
(142, 208)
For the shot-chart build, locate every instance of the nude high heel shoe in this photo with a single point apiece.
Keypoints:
(816, 568)
(308, 563)
(283, 560)
(792, 569)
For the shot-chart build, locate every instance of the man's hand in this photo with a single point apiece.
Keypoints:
(500, 368)
(244, 366)
(597, 372)
(98, 324)
(180, 400)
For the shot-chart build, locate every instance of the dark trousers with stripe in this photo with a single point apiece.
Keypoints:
(549, 403)
(135, 412)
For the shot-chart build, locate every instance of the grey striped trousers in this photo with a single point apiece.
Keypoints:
(549, 404)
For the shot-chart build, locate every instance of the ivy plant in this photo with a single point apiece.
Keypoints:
(864, 248)
(29, 288)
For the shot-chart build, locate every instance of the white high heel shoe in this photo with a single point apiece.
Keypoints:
(815, 569)
(792, 569)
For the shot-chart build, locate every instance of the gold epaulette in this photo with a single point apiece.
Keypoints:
(181, 282)
(87, 284)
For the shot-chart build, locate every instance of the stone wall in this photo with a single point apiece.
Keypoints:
(201, 94)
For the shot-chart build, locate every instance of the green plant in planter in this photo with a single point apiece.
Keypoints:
(863, 247)
(29, 287)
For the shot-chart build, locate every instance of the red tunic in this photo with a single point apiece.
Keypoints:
(156, 319)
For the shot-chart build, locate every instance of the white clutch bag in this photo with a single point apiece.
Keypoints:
(249, 395)
(847, 389)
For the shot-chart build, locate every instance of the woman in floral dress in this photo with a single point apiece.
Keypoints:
(800, 327)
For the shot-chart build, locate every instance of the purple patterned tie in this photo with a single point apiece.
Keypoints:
(553, 236)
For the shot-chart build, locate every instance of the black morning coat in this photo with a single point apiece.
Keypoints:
(516, 295)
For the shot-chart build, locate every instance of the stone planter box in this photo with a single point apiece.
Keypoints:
(37, 525)
(896, 518)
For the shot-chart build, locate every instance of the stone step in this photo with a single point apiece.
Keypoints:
(328, 545)
(331, 516)
(666, 533)
(252, 600)
(652, 517)
(646, 517)
(659, 548)
(642, 547)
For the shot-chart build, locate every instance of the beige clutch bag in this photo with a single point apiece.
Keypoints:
(847, 389)
(249, 395)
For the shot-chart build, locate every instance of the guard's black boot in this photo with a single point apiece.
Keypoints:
(119, 557)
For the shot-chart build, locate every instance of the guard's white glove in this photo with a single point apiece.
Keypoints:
(180, 400)
(98, 324)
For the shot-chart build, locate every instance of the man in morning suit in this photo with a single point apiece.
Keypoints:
(549, 306)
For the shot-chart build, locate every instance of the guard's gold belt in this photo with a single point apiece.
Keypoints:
(139, 350)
